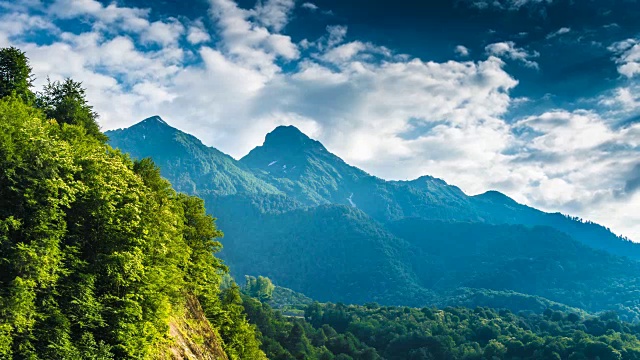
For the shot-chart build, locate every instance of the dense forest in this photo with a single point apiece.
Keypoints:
(371, 331)
(98, 254)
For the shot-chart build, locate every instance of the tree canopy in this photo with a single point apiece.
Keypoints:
(66, 102)
(98, 252)
(15, 74)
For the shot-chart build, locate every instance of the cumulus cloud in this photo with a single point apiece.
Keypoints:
(336, 34)
(623, 101)
(394, 115)
(579, 162)
(252, 45)
(197, 33)
(163, 33)
(274, 14)
(111, 15)
(627, 56)
(508, 49)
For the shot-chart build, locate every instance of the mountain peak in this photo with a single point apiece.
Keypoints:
(290, 137)
(154, 119)
(496, 197)
(154, 124)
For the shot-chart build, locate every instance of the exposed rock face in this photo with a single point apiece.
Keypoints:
(193, 337)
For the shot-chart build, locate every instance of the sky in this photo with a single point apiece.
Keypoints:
(538, 99)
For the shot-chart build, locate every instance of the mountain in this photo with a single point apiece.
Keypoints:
(538, 261)
(337, 253)
(500, 209)
(192, 167)
(295, 212)
(329, 253)
(305, 170)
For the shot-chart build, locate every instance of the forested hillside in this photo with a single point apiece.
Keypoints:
(337, 253)
(99, 257)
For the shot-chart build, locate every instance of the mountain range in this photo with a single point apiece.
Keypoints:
(293, 211)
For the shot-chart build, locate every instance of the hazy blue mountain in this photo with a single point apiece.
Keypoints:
(337, 253)
(191, 166)
(295, 212)
(500, 209)
(537, 261)
(329, 253)
(305, 170)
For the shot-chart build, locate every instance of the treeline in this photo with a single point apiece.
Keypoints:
(338, 331)
(97, 252)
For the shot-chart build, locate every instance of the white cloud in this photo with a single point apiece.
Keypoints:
(127, 18)
(251, 45)
(561, 31)
(623, 101)
(14, 25)
(627, 56)
(163, 33)
(274, 14)
(462, 51)
(509, 50)
(197, 33)
(579, 163)
(337, 34)
(506, 4)
(561, 131)
(310, 6)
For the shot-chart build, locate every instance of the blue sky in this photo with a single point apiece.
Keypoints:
(539, 99)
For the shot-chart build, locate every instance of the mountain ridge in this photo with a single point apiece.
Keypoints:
(296, 212)
(292, 164)
(192, 166)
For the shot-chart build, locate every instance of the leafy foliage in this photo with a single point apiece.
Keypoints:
(290, 338)
(66, 102)
(15, 74)
(260, 287)
(98, 252)
(338, 331)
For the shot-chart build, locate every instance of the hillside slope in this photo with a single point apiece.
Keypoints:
(192, 167)
(193, 337)
(100, 258)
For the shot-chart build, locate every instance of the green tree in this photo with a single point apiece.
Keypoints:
(260, 287)
(98, 253)
(66, 102)
(236, 331)
(15, 74)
